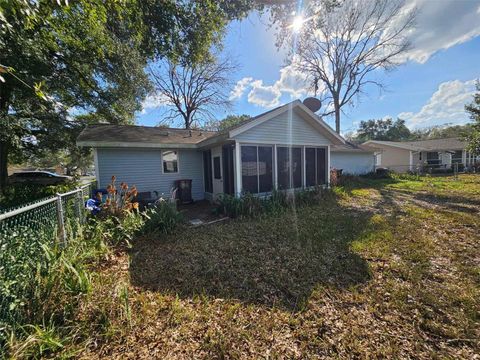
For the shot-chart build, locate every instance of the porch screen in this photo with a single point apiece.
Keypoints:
(289, 165)
(315, 166)
(207, 171)
(457, 157)
(257, 174)
(433, 158)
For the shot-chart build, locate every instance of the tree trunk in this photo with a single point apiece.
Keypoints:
(336, 105)
(3, 165)
(4, 145)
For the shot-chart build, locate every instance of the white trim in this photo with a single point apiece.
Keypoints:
(257, 143)
(238, 169)
(97, 169)
(410, 160)
(275, 167)
(304, 183)
(178, 161)
(327, 167)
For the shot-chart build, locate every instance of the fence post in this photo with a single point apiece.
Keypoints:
(62, 236)
(79, 200)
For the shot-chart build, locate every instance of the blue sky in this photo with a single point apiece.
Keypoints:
(430, 88)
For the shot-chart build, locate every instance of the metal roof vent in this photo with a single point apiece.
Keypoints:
(312, 103)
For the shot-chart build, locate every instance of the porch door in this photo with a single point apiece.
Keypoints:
(228, 180)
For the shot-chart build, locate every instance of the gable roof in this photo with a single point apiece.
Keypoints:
(296, 105)
(351, 147)
(440, 144)
(146, 136)
(267, 115)
(106, 135)
(423, 145)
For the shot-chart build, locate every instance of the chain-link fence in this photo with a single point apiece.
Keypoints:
(423, 169)
(62, 213)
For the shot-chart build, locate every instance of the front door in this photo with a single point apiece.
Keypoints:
(217, 171)
(228, 181)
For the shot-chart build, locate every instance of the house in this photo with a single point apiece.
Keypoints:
(435, 154)
(284, 148)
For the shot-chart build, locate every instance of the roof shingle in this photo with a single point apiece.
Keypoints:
(107, 133)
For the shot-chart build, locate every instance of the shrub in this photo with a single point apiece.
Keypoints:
(40, 282)
(161, 219)
(19, 194)
(278, 201)
(119, 202)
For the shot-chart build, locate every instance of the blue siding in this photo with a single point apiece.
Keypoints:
(143, 168)
(352, 163)
(286, 128)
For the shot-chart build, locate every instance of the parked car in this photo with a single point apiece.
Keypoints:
(38, 177)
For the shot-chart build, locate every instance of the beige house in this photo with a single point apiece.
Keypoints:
(436, 154)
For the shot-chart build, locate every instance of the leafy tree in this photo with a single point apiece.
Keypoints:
(473, 136)
(89, 56)
(442, 131)
(383, 129)
(228, 122)
(84, 56)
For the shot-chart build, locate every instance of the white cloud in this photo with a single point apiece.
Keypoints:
(153, 101)
(441, 25)
(264, 96)
(447, 105)
(240, 88)
(290, 82)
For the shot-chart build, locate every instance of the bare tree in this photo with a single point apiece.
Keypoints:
(193, 92)
(340, 44)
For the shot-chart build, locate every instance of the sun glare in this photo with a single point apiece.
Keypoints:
(297, 23)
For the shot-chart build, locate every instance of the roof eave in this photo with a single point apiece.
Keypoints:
(123, 144)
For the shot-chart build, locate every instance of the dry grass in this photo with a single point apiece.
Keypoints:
(386, 269)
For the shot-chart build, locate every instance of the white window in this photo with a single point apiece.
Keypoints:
(378, 159)
(170, 161)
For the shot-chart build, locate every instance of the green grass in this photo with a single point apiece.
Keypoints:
(384, 268)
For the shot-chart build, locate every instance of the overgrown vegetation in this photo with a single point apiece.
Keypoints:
(250, 205)
(378, 268)
(43, 283)
(20, 194)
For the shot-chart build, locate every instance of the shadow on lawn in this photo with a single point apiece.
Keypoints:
(272, 260)
(447, 202)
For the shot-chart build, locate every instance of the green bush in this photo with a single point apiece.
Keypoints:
(39, 281)
(19, 194)
(42, 282)
(161, 219)
(249, 205)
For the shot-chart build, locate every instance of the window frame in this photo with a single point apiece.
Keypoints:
(178, 162)
(215, 168)
(316, 166)
(256, 146)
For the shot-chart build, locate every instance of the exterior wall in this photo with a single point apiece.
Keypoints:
(353, 162)
(143, 168)
(287, 128)
(395, 159)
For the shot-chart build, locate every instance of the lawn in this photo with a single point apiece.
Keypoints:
(380, 268)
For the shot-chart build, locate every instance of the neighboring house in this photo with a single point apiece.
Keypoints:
(284, 148)
(420, 155)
